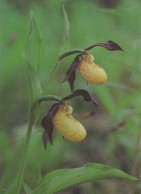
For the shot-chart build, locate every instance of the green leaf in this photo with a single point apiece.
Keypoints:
(59, 180)
(34, 47)
(34, 83)
(65, 45)
(33, 55)
(26, 188)
(35, 91)
(39, 173)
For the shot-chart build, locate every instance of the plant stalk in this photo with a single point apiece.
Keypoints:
(49, 97)
(27, 140)
(23, 159)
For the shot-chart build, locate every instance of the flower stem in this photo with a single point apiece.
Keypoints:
(23, 159)
(49, 97)
(71, 52)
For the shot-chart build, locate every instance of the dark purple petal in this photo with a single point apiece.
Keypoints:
(45, 139)
(86, 96)
(47, 124)
(70, 76)
(110, 45)
(71, 80)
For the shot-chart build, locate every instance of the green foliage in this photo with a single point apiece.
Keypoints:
(34, 48)
(26, 188)
(33, 55)
(65, 45)
(35, 91)
(119, 97)
(61, 179)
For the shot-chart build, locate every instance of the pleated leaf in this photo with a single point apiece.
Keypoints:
(34, 48)
(33, 54)
(65, 45)
(35, 93)
(59, 180)
(26, 188)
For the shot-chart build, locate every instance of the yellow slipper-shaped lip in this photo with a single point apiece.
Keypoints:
(68, 126)
(91, 72)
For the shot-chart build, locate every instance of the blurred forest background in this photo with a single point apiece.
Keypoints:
(113, 132)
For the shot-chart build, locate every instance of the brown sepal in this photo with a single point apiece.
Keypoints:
(71, 80)
(110, 45)
(47, 124)
(70, 76)
(86, 96)
(45, 138)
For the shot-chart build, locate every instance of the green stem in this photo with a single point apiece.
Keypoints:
(23, 159)
(49, 97)
(71, 52)
(27, 140)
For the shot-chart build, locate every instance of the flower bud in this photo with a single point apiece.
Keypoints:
(67, 125)
(90, 71)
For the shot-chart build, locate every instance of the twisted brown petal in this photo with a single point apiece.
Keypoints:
(47, 124)
(45, 138)
(70, 76)
(86, 96)
(110, 45)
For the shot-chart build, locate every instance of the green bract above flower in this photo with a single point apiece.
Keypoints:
(68, 126)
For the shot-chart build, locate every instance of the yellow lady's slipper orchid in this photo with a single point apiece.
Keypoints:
(67, 125)
(85, 62)
(90, 71)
